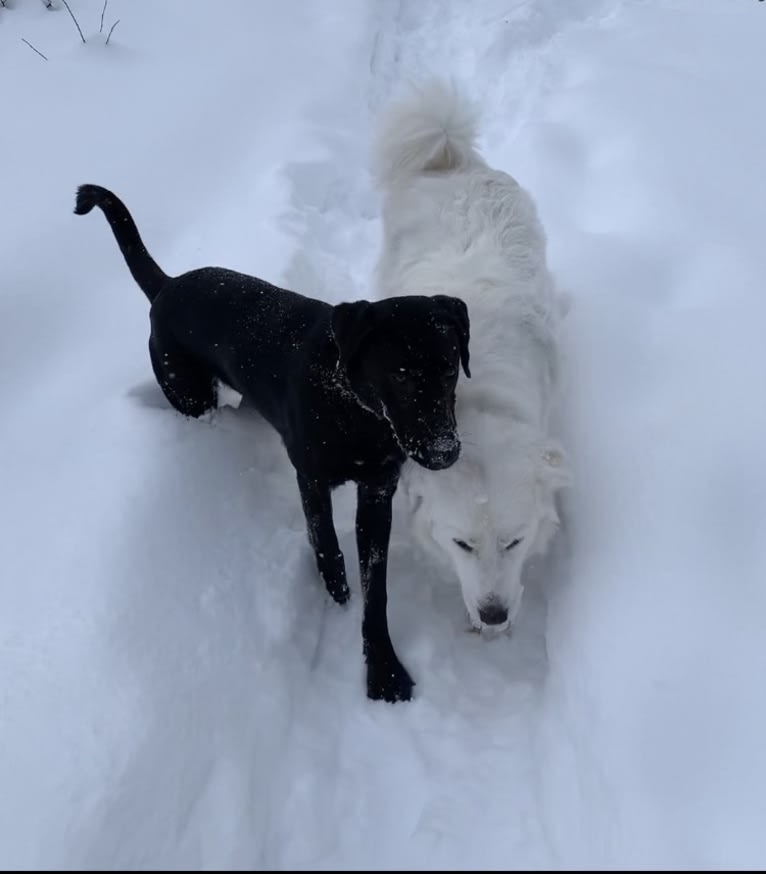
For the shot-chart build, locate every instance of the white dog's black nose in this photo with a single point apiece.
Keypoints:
(493, 614)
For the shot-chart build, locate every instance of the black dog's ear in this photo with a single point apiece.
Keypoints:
(458, 313)
(351, 323)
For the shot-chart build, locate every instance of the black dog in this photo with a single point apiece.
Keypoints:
(352, 389)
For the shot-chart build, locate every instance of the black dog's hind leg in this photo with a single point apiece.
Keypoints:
(317, 507)
(187, 384)
(387, 678)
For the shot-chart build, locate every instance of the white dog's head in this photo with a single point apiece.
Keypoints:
(486, 515)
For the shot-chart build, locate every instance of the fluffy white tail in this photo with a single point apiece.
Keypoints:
(433, 128)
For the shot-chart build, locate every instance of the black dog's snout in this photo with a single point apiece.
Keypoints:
(451, 455)
(493, 614)
(443, 455)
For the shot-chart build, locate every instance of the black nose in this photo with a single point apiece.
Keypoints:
(438, 459)
(451, 455)
(493, 614)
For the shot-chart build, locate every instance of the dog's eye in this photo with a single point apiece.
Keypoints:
(466, 547)
(450, 372)
(513, 543)
(401, 377)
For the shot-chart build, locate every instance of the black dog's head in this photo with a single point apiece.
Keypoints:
(401, 357)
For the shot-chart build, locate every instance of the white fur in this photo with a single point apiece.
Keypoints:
(454, 225)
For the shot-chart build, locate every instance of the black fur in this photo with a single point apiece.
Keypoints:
(352, 389)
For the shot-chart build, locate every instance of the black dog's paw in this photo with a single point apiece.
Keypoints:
(389, 680)
(332, 570)
(339, 591)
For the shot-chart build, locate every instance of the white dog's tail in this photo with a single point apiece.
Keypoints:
(434, 128)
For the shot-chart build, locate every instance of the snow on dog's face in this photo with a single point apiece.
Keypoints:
(484, 517)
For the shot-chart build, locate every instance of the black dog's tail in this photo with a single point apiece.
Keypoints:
(142, 266)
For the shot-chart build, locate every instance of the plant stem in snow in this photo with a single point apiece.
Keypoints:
(73, 19)
(103, 12)
(32, 47)
(111, 29)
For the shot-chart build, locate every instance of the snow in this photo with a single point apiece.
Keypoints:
(176, 689)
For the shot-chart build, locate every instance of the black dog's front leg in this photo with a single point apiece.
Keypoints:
(317, 507)
(387, 678)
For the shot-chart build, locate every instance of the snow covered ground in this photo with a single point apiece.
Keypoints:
(175, 688)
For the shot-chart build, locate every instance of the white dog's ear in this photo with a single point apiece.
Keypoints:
(412, 494)
(555, 466)
(421, 521)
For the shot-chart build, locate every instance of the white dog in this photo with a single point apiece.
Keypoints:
(453, 225)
